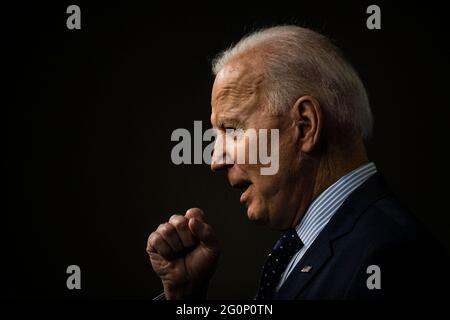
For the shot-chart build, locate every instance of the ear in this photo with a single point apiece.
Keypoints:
(307, 115)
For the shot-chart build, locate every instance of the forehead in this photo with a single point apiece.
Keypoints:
(236, 92)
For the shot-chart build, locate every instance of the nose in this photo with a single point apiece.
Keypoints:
(221, 160)
(219, 165)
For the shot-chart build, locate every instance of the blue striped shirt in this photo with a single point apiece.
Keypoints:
(323, 208)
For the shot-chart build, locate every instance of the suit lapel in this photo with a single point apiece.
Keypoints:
(316, 256)
(322, 248)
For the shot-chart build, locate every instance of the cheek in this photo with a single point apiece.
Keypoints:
(270, 196)
(289, 163)
(287, 150)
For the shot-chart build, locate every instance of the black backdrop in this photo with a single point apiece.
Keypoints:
(87, 168)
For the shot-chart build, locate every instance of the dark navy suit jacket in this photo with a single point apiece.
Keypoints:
(370, 228)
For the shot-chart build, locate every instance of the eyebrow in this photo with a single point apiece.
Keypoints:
(229, 122)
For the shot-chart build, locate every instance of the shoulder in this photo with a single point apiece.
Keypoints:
(389, 221)
(387, 227)
(391, 238)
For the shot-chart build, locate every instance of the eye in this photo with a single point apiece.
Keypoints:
(235, 134)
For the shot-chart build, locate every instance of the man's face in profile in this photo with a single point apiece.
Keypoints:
(238, 104)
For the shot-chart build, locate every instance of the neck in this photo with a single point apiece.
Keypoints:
(325, 170)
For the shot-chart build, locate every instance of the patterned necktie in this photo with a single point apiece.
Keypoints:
(276, 263)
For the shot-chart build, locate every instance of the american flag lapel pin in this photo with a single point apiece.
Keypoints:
(306, 269)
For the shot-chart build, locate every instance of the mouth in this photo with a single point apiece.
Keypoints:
(239, 182)
(245, 192)
(243, 185)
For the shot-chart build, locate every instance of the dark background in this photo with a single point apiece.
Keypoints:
(90, 113)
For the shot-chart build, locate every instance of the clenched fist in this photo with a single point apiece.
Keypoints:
(184, 253)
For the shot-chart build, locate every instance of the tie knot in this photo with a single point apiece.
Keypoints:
(289, 243)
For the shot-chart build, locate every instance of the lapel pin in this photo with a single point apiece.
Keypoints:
(306, 269)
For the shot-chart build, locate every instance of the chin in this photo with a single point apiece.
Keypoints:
(256, 214)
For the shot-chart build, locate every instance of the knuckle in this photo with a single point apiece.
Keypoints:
(174, 217)
(148, 247)
(179, 223)
(165, 229)
(156, 239)
(152, 240)
(151, 237)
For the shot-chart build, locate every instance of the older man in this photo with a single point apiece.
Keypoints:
(346, 236)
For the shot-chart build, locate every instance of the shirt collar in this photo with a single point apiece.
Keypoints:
(328, 202)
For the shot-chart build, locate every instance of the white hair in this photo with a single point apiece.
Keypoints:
(298, 61)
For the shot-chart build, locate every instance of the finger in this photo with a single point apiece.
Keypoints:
(181, 225)
(169, 234)
(195, 213)
(204, 233)
(157, 244)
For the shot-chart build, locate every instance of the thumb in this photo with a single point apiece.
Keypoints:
(204, 233)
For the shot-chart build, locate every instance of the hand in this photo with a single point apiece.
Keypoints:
(184, 253)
